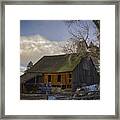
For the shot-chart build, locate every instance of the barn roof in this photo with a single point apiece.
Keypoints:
(56, 63)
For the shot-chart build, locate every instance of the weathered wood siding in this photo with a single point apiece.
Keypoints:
(65, 79)
(84, 74)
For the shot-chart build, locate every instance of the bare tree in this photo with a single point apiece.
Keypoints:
(80, 34)
(70, 46)
(78, 29)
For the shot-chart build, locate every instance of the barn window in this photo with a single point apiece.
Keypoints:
(86, 65)
(70, 76)
(69, 80)
(59, 78)
(68, 86)
(63, 86)
(49, 78)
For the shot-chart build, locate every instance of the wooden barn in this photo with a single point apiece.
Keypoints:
(64, 71)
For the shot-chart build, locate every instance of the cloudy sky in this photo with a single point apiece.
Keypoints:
(34, 47)
(51, 29)
(41, 37)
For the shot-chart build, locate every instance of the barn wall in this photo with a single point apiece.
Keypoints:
(85, 74)
(65, 80)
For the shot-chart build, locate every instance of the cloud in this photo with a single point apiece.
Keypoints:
(32, 48)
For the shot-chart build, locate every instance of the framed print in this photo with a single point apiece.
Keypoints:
(59, 59)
